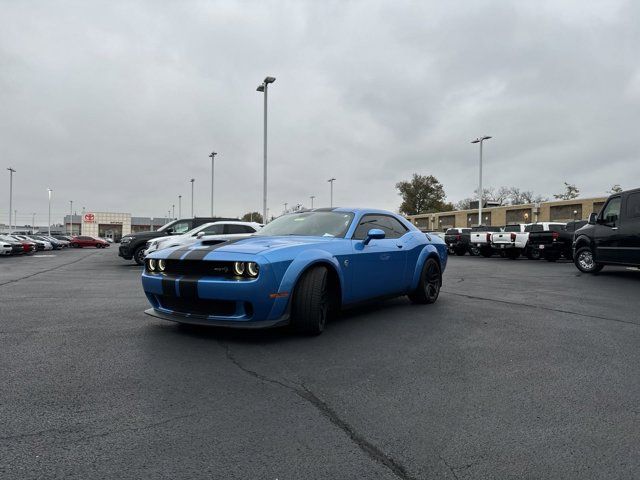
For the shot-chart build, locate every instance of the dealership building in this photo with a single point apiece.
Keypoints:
(552, 211)
(111, 225)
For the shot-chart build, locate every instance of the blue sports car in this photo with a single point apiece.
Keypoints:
(299, 269)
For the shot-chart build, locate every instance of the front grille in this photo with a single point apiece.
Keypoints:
(198, 306)
(198, 268)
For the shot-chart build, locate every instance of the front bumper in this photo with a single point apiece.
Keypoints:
(218, 300)
(125, 252)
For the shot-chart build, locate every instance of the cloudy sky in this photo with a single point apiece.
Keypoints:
(116, 105)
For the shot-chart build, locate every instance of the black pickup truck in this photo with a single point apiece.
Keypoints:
(611, 237)
(458, 240)
(132, 245)
(556, 242)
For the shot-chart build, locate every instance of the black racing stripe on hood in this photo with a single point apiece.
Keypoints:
(200, 252)
(177, 254)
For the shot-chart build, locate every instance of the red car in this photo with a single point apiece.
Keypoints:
(79, 241)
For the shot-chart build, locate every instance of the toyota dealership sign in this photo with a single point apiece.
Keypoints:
(89, 218)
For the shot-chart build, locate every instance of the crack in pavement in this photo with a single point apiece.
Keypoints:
(540, 307)
(451, 469)
(311, 398)
(16, 280)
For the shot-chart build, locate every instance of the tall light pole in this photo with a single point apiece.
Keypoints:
(173, 211)
(312, 197)
(480, 193)
(285, 207)
(49, 191)
(212, 155)
(11, 172)
(331, 180)
(263, 87)
(70, 217)
(192, 181)
(33, 223)
(179, 206)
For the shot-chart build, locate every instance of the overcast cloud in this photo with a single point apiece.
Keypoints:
(116, 105)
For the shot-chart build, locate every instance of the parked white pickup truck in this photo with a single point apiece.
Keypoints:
(512, 240)
(481, 240)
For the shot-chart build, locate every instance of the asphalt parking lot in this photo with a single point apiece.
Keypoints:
(522, 369)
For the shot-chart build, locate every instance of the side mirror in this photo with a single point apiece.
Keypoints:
(170, 231)
(593, 218)
(199, 234)
(373, 234)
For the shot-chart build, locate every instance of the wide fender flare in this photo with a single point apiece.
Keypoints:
(583, 240)
(428, 251)
(305, 260)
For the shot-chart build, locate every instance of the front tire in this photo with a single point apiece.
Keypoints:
(474, 251)
(310, 304)
(138, 255)
(585, 262)
(429, 285)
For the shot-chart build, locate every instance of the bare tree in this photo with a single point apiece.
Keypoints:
(570, 192)
(615, 189)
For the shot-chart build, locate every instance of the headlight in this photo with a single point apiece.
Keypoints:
(152, 265)
(161, 265)
(253, 269)
(126, 239)
(238, 268)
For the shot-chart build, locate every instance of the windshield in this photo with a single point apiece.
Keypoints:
(310, 224)
(512, 228)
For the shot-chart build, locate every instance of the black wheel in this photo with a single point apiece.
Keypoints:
(460, 251)
(474, 251)
(138, 255)
(585, 262)
(486, 252)
(429, 284)
(310, 304)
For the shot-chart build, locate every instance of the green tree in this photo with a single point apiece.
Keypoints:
(422, 194)
(570, 192)
(252, 217)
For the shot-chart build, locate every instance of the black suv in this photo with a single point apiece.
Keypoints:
(132, 246)
(458, 240)
(612, 237)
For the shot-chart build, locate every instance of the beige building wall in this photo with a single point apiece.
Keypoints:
(95, 223)
(558, 211)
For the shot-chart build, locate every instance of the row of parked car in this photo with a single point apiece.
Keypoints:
(610, 237)
(28, 243)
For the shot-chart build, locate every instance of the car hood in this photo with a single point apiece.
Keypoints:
(259, 244)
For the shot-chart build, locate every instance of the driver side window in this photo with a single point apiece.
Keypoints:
(611, 211)
(391, 227)
(181, 227)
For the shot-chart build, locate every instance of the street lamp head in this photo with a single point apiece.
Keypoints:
(331, 180)
(12, 170)
(480, 139)
(213, 154)
(192, 180)
(486, 137)
(269, 79)
(260, 88)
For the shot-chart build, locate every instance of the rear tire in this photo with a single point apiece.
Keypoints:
(533, 254)
(512, 253)
(429, 285)
(310, 304)
(474, 251)
(585, 262)
(460, 251)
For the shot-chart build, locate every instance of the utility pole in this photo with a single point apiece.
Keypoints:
(312, 197)
(173, 211)
(285, 207)
(11, 172)
(33, 223)
(212, 155)
(331, 180)
(71, 217)
(15, 218)
(263, 87)
(179, 206)
(192, 181)
(50, 191)
(480, 192)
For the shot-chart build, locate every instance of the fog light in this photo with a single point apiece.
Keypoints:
(152, 265)
(161, 265)
(253, 269)
(238, 268)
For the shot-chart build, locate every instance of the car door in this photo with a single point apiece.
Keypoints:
(629, 230)
(378, 269)
(605, 237)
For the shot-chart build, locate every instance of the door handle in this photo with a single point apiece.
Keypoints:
(398, 245)
(614, 228)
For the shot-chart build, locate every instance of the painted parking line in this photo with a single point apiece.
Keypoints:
(40, 256)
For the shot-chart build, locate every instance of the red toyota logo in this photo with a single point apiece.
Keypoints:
(89, 217)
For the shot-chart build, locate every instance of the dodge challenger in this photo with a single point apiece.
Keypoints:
(300, 269)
